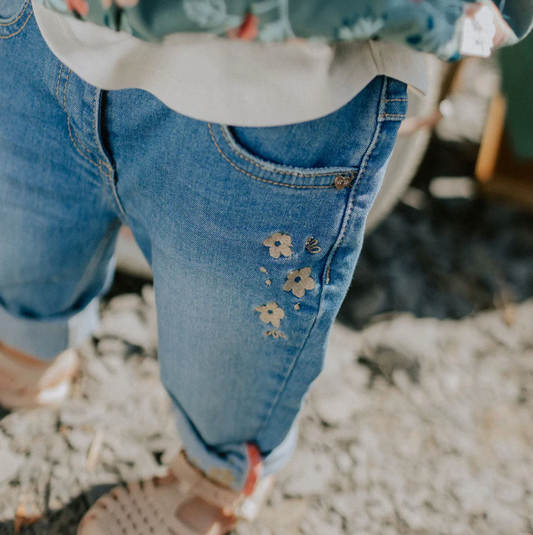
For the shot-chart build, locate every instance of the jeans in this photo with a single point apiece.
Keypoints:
(252, 234)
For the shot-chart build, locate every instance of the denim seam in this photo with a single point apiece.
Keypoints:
(58, 81)
(355, 186)
(65, 91)
(110, 171)
(69, 123)
(95, 133)
(346, 219)
(264, 179)
(385, 116)
(288, 375)
(277, 171)
(98, 163)
(19, 30)
(5, 24)
(89, 151)
(95, 259)
(82, 145)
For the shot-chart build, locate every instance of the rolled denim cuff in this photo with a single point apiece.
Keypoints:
(45, 339)
(230, 465)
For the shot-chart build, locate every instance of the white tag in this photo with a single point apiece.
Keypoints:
(478, 34)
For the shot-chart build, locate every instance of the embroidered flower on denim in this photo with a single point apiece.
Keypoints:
(271, 313)
(279, 244)
(312, 245)
(299, 281)
(275, 334)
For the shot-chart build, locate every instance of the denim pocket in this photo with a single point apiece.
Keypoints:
(14, 15)
(325, 152)
(274, 173)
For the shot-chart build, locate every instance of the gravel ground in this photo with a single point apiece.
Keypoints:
(447, 259)
(421, 423)
(417, 426)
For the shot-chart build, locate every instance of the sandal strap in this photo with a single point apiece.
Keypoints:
(201, 486)
(22, 371)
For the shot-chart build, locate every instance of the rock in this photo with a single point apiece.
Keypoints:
(344, 462)
(504, 520)
(337, 408)
(148, 295)
(80, 440)
(125, 325)
(10, 464)
(126, 302)
(309, 474)
(78, 413)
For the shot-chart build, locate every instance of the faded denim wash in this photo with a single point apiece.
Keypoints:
(252, 233)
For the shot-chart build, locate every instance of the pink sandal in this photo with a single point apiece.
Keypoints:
(161, 506)
(26, 382)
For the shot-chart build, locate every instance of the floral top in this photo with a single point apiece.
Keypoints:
(426, 25)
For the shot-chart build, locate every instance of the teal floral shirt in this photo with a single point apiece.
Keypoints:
(427, 25)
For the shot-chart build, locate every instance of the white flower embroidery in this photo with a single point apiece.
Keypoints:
(271, 313)
(299, 281)
(279, 244)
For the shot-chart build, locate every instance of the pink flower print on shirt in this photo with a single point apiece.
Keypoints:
(248, 30)
(79, 6)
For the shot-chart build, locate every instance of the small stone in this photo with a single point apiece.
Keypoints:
(344, 462)
(80, 440)
(309, 474)
(148, 295)
(504, 519)
(9, 465)
(128, 302)
(126, 325)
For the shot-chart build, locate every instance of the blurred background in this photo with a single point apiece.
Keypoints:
(422, 422)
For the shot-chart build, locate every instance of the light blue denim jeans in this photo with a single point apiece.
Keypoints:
(252, 233)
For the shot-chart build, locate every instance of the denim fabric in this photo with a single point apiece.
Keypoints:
(252, 234)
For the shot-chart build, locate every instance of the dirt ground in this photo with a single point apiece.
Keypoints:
(418, 425)
(421, 424)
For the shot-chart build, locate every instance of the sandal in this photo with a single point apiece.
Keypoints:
(26, 382)
(185, 502)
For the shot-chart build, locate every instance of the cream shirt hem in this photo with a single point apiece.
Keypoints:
(214, 79)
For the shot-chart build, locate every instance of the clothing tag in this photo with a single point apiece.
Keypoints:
(478, 34)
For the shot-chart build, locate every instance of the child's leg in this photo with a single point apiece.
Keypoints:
(253, 236)
(57, 226)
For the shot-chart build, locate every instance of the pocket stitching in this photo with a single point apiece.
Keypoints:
(18, 18)
(270, 170)
(355, 187)
(20, 29)
(272, 181)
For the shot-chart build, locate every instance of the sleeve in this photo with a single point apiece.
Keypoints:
(432, 26)
(518, 14)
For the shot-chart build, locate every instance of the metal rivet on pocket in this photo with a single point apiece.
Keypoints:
(342, 182)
